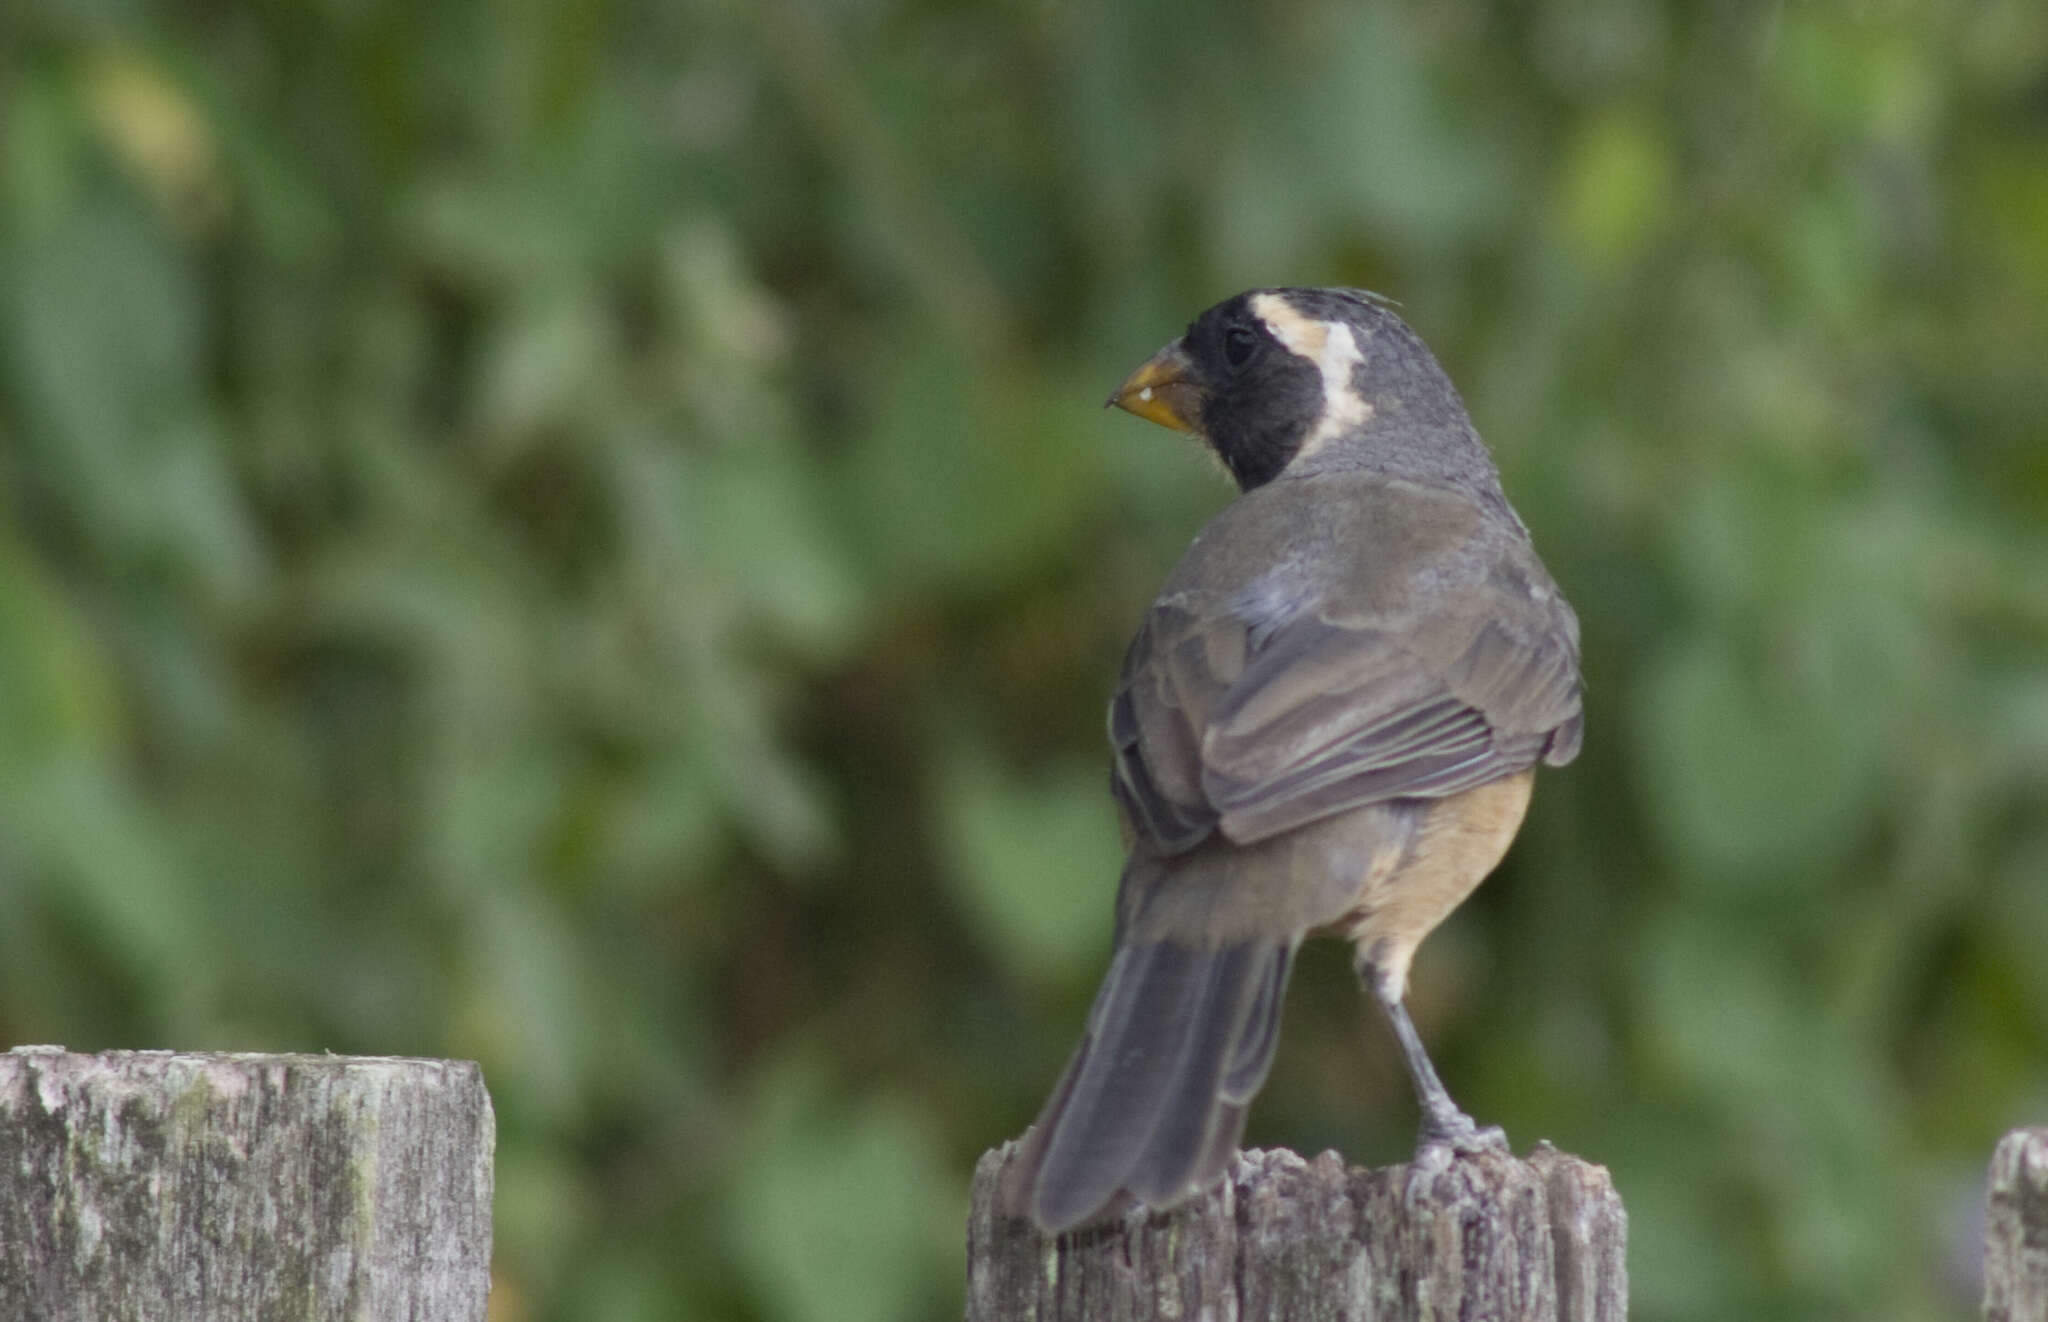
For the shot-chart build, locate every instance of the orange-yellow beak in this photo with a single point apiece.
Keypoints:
(1163, 390)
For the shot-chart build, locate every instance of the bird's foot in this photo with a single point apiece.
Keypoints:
(1458, 1135)
(1443, 1141)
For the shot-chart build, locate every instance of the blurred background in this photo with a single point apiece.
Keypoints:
(584, 537)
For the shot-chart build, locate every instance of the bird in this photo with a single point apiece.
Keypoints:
(1328, 722)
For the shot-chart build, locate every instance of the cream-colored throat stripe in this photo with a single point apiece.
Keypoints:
(1334, 350)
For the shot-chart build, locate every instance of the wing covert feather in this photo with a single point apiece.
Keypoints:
(1230, 719)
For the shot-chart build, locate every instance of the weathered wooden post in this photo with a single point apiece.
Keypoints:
(1540, 1239)
(152, 1184)
(2016, 1229)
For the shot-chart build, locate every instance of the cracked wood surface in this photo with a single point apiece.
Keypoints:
(153, 1184)
(2016, 1229)
(1483, 1237)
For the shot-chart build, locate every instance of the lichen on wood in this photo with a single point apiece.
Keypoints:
(153, 1184)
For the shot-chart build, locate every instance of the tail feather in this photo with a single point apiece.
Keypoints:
(1145, 1010)
(1255, 1046)
(1180, 1131)
(1153, 1103)
(1224, 1136)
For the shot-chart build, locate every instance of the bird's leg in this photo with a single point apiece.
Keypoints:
(1443, 1124)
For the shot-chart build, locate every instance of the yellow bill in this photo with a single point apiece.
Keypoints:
(1163, 390)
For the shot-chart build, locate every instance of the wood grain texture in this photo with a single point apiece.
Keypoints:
(151, 1184)
(2016, 1229)
(1490, 1236)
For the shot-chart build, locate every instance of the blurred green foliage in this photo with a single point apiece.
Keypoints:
(581, 537)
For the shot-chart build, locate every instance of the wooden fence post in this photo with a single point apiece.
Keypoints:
(2016, 1229)
(152, 1184)
(1540, 1239)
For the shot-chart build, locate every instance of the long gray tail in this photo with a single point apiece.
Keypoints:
(1153, 1102)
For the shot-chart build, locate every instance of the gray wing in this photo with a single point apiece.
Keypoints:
(1253, 726)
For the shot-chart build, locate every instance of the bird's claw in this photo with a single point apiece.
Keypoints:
(1461, 1137)
(1440, 1145)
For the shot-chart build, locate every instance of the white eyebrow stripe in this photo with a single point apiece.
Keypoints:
(1302, 335)
(1333, 348)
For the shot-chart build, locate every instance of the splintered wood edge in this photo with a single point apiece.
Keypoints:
(1285, 1236)
(2016, 1229)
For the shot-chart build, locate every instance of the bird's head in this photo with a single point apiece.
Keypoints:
(1274, 376)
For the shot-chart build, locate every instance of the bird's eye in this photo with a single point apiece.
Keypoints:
(1238, 344)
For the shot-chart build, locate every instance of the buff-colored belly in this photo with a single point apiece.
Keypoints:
(1457, 842)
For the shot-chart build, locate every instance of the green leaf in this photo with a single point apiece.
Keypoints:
(1033, 860)
(1749, 779)
(964, 482)
(1616, 186)
(838, 1215)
